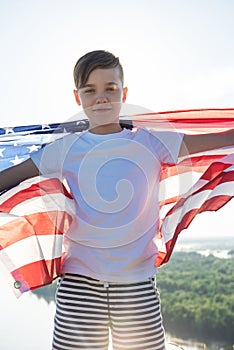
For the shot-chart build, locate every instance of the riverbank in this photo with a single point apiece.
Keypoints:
(181, 343)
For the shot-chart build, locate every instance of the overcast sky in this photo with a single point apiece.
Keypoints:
(177, 54)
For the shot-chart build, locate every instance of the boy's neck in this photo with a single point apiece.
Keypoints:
(105, 129)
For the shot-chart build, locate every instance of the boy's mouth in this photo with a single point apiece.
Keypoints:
(102, 108)
(102, 111)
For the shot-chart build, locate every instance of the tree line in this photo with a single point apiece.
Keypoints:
(197, 296)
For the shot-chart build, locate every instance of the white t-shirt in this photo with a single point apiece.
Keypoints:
(114, 180)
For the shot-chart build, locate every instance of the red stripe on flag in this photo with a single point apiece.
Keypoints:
(215, 203)
(48, 223)
(46, 272)
(218, 180)
(214, 170)
(14, 231)
(53, 221)
(48, 186)
(196, 163)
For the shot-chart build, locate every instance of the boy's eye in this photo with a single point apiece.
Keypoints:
(88, 91)
(112, 88)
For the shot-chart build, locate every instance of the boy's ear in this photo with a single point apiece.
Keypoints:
(77, 97)
(125, 92)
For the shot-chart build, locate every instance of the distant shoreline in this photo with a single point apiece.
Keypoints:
(220, 247)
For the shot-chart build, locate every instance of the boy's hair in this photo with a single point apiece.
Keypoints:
(92, 60)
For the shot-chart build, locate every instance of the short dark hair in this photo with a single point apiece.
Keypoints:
(92, 60)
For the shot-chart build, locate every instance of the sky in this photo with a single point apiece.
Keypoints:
(176, 54)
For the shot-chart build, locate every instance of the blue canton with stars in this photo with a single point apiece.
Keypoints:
(17, 143)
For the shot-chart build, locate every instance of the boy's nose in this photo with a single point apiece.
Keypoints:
(101, 99)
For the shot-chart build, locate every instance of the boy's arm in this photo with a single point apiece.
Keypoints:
(198, 143)
(13, 176)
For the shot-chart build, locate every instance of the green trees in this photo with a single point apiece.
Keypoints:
(197, 295)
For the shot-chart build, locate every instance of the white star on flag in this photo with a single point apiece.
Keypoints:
(45, 126)
(17, 160)
(33, 148)
(9, 130)
(1, 152)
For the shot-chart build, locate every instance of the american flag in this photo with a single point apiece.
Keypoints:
(35, 214)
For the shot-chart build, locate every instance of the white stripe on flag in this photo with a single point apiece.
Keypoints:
(32, 249)
(176, 185)
(7, 218)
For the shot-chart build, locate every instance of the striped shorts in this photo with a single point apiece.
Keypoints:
(86, 309)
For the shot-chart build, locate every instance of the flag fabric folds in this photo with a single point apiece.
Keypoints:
(34, 217)
(35, 214)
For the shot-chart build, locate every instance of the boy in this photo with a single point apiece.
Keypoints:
(113, 174)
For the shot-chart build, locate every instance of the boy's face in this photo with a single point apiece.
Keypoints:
(102, 96)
